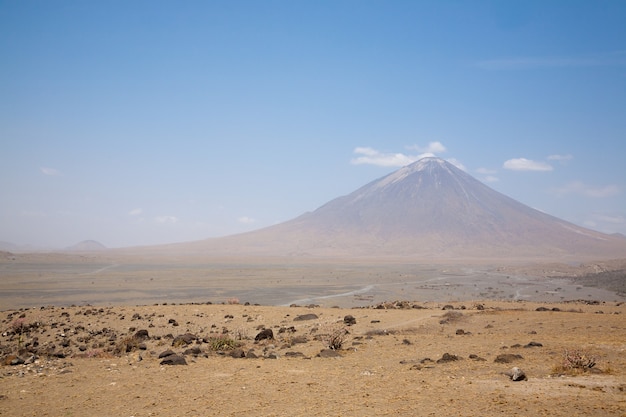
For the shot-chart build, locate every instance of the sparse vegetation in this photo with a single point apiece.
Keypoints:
(574, 362)
(333, 335)
(222, 342)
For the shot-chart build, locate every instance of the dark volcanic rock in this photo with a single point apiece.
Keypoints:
(184, 339)
(447, 358)
(349, 320)
(533, 344)
(329, 353)
(166, 353)
(304, 317)
(174, 360)
(291, 354)
(141, 335)
(237, 353)
(507, 358)
(265, 334)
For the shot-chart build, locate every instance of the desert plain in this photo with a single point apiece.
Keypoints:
(88, 335)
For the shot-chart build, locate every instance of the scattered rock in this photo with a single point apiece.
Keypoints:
(166, 353)
(174, 360)
(304, 317)
(516, 374)
(507, 358)
(195, 351)
(476, 358)
(533, 344)
(141, 335)
(265, 334)
(299, 339)
(447, 358)
(237, 353)
(349, 320)
(183, 339)
(294, 354)
(328, 353)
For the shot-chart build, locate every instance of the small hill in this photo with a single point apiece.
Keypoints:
(86, 246)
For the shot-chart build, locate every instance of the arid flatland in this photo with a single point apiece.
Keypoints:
(396, 359)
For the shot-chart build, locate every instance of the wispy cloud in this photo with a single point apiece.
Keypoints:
(530, 63)
(585, 190)
(490, 178)
(561, 158)
(486, 171)
(166, 219)
(523, 164)
(135, 212)
(246, 220)
(371, 156)
(50, 171)
(433, 147)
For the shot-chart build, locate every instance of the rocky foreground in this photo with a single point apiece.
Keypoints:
(397, 358)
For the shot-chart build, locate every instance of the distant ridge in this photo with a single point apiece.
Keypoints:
(86, 246)
(427, 210)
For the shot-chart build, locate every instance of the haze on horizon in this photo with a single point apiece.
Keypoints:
(146, 122)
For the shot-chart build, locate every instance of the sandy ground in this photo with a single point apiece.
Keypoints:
(387, 364)
(51, 279)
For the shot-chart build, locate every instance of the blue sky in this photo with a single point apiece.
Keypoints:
(148, 122)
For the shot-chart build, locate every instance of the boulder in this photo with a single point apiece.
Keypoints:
(303, 317)
(516, 374)
(507, 358)
(174, 360)
(265, 334)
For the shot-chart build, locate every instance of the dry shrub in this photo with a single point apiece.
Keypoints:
(222, 342)
(333, 335)
(574, 362)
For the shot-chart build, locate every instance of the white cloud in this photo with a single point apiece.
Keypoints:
(491, 178)
(433, 147)
(372, 156)
(135, 212)
(166, 219)
(50, 171)
(523, 164)
(582, 189)
(561, 158)
(246, 220)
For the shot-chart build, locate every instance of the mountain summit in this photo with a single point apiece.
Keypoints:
(429, 209)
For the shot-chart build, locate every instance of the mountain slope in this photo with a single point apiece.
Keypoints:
(429, 209)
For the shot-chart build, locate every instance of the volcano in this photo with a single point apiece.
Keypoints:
(429, 209)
